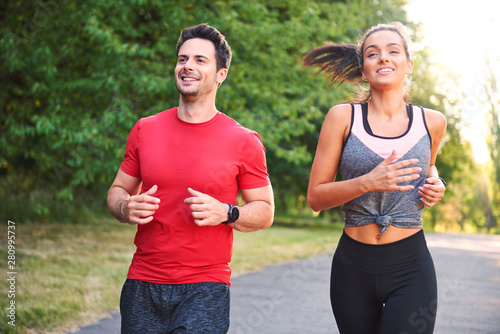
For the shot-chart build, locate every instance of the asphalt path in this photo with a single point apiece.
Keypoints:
(293, 298)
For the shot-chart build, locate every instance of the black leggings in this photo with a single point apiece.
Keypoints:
(384, 289)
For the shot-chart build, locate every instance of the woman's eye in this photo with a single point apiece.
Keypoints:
(372, 54)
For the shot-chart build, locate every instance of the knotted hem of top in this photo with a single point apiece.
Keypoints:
(383, 221)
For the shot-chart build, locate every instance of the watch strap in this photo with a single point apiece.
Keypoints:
(228, 214)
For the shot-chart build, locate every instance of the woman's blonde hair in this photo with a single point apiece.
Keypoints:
(344, 62)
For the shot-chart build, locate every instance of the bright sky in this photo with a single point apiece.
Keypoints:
(462, 33)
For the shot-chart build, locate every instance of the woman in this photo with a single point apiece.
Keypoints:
(383, 278)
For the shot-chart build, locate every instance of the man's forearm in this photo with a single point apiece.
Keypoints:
(117, 203)
(254, 216)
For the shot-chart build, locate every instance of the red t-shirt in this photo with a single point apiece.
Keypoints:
(218, 158)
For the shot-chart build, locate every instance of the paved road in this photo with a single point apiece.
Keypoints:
(293, 298)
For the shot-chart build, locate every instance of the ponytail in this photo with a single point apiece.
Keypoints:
(343, 62)
(339, 61)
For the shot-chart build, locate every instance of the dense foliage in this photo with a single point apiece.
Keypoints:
(76, 76)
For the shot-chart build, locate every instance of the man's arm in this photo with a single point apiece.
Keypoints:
(256, 214)
(125, 203)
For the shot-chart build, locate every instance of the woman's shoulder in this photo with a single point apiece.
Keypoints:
(434, 118)
(338, 121)
(436, 123)
(340, 112)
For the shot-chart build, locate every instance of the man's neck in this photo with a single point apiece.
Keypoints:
(192, 111)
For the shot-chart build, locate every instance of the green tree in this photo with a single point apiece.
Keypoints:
(491, 100)
(435, 86)
(76, 76)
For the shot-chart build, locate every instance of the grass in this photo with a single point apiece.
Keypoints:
(71, 275)
(67, 273)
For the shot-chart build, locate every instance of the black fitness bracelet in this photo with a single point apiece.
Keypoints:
(440, 178)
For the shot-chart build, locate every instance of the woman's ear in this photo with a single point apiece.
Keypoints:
(409, 69)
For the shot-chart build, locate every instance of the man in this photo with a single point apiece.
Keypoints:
(179, 181)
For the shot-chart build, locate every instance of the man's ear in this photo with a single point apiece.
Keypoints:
(221, 76)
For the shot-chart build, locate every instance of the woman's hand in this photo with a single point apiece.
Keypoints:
(386, 176)
(432, 191)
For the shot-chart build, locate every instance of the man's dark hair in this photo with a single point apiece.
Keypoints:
(204, 31)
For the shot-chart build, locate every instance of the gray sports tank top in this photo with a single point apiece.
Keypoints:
(363, 151)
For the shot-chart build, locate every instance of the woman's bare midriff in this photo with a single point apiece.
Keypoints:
(370, 234)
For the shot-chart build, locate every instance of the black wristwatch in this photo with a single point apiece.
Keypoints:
(232, 214)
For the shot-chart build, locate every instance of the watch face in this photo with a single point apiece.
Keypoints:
(234, 214)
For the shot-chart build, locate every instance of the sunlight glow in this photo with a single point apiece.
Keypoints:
(463, 34)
